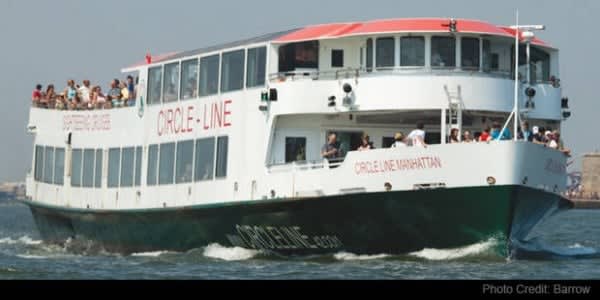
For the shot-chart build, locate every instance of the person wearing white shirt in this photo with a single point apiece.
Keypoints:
(84, 94)
(417, 136)
(399, 141)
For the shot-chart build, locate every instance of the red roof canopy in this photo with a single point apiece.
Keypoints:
(396, 26)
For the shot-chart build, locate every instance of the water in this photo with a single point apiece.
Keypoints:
(567, 247)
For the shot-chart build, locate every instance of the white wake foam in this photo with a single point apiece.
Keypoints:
(450, 254)
(28, 256)
(346, 256)
(229, 253)
(26, 240)
(150, 254)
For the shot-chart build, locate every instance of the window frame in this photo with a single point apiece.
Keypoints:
(476, 66)
(118, 179)
(452, 57)
(188, 62)
(203, 61)
(231, 55)
(176, 64)
(212, 160)
(83, 168)
(261, 80)
(335, 63)
(77, 184)
(402, 51)
(219, 175)
(149, 88)
(378, 48)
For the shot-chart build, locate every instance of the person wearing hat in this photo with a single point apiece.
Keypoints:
(399, 141)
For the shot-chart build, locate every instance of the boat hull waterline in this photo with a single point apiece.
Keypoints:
(368, 223)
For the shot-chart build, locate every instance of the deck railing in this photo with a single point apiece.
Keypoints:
(305, 165)
(354, 73)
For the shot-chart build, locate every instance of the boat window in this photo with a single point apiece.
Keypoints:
(114, 161)
(496, 56)
(412, 51)
(303, 55)
(369, 55)
(443, 51)
(138, 166)
(171, 82)
(49, 165)
(205, 158)
(337, 58)
(88, 168)
(209, 75)
(39, 163)
(386, 49)
(295, 149)
(257, 66)
(487, 56)
(166, 163)
(127, 166)
(189, 79)
(540, 65)
(59, 166)
(185, 162)
(222, 149)
(98, 171)
(232, 71)
(470, 53)
(151, 178)
(154, 85)
(76, 161)
(387, 142)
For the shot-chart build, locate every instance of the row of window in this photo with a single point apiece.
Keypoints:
(187, 161)
(49, 165)
(181, 162)
(193, 78)
(412, 52)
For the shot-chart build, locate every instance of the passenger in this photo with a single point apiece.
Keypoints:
(85, 95)
(454, 136)
(98, 98)
(114, 93)
(61, 102)
(485, 135)
(561, 144)
(499, 133)
(70, 93)
(467, 138)
(538, 136)
(417, 136)
(366, 143)
(525, 134)
(36, 96)
(192, 92)
(124, 93)
(131, 87)
(331, 150)
(399, 141)
(50, 96)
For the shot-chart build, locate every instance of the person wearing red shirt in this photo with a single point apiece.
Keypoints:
(36, 96)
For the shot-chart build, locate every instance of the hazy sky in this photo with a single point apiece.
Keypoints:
(51, 41)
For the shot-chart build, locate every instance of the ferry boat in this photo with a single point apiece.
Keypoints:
(224, 144)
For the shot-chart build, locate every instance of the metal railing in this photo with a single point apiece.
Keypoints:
(305, 165)
(355, 73)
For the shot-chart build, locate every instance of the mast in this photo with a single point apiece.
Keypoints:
(516, 95)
